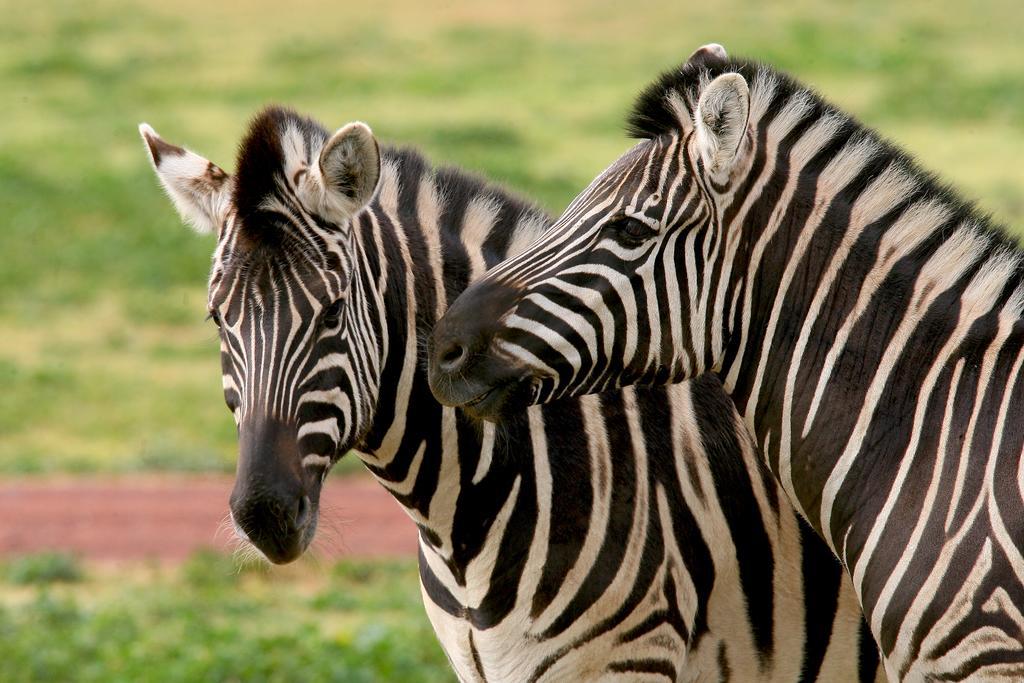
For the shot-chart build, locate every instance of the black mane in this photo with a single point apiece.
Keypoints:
(653, 116)
(260, 169)
(261, 158)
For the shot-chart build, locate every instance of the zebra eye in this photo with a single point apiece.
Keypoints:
(214, 316)
(332, 314)
(629, 229)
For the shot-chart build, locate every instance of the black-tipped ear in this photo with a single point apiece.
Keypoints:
(350, 166)
(721, 121)
(158, 147)
(198, 188)
(707, 56)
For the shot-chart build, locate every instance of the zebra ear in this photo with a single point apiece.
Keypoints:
(706, 55)
(350, 167)
(198, 188)
(721, 121)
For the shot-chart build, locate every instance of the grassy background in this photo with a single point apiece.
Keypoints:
(209, 621)
(105, 363)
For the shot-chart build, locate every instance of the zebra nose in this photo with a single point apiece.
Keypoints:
(452, 356)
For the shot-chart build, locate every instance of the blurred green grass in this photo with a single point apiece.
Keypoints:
(105, 363)
(210, 620)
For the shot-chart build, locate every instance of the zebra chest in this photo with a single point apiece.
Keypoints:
(507, 654)
(521, 647)
(503, 653)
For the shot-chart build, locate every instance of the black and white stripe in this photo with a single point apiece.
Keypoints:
(866, 322)
(627, 536)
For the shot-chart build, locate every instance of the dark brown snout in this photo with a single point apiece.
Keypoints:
(274, 501)
(464, 369)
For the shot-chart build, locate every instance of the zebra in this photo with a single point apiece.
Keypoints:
(865, 320)
(632, 535)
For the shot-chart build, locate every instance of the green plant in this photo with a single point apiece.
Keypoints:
(44, 568)
(205, 622)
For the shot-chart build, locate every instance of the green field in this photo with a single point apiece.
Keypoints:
(105, 361)
(207, 621)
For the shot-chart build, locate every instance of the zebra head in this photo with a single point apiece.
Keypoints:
(584, 309)
(294, 356)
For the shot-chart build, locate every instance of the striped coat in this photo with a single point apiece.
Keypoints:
(865, 320)
(628, 536)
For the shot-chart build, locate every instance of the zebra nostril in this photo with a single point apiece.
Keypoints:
(453, 357)
(303, 513)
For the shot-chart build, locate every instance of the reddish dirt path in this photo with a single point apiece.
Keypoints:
(168, 517)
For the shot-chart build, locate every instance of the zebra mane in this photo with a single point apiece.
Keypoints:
(653, 113)
(275, 134)
(279, 140)
(668, 104)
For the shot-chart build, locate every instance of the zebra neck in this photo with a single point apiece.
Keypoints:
(855, 276)
(431, 234)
